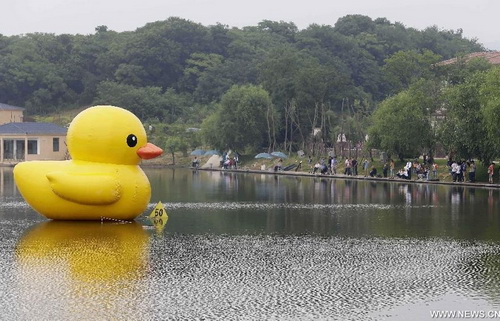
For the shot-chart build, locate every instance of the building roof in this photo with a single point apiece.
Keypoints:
(32, 129)
(9, 107)
(493, 57)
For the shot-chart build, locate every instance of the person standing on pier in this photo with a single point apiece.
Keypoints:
(354, 167)
(472, 172)
(435, 170)
(491, 171)
(334, 165)
(348, 165)
(409, 168)
(366, 166)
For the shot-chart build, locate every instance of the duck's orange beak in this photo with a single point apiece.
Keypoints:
(149, 151)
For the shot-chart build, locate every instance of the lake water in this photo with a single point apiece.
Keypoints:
(259, 247)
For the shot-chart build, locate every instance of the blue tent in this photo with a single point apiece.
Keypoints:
(264, 155)
(211, 152)
(198, 152)
(279, 154)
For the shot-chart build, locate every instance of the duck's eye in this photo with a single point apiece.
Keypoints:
(131, 140)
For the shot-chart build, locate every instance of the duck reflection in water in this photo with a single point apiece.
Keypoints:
(67, 265)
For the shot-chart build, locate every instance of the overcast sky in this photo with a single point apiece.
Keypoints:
(477, 18)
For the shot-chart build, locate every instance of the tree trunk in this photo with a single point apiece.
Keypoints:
(296, 120)
(287, 116)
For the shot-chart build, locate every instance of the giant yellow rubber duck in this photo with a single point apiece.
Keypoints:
(103, 178)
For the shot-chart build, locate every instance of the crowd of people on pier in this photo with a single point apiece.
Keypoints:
(426, 170)
(459, 170)
(229, 162)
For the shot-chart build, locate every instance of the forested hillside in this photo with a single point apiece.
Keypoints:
(259, 86)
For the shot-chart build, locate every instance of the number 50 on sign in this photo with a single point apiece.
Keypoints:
(159, 216)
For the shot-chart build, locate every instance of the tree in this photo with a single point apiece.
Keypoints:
(489, 96)
(401, 124)
(199, 66)
(177, 71)
(174, 144)
(464, 133)
(145, 102)
(241, 121)
(406, 67)
(446, 43)
(394, 37)
(457, 72)
(352, 25)
(278, 73)
(316, 86)
(287, 30)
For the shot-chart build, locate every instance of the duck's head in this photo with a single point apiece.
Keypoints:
(109, 134)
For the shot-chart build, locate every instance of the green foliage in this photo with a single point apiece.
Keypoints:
(198, 65)
(240, 122)
(401, 124)
(406, 67)
(447, 43)
(287, 30)
(176, 72)
(352, 25)
(464, 132)
(456, 73)
(470, 129)
(211, 133)
(176, 143)
(145, 102)
(142, 101)
(489, 96)
(173, 138)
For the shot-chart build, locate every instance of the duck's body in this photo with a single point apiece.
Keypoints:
(76, 190)
(102, 180)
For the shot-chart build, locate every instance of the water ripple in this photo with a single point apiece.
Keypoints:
(265, 206)
(309, 278)
(14, 204)
(247, 277)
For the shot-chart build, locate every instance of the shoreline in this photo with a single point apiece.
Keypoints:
(350, 177)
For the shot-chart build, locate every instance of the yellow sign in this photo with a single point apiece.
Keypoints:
(159, 217)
